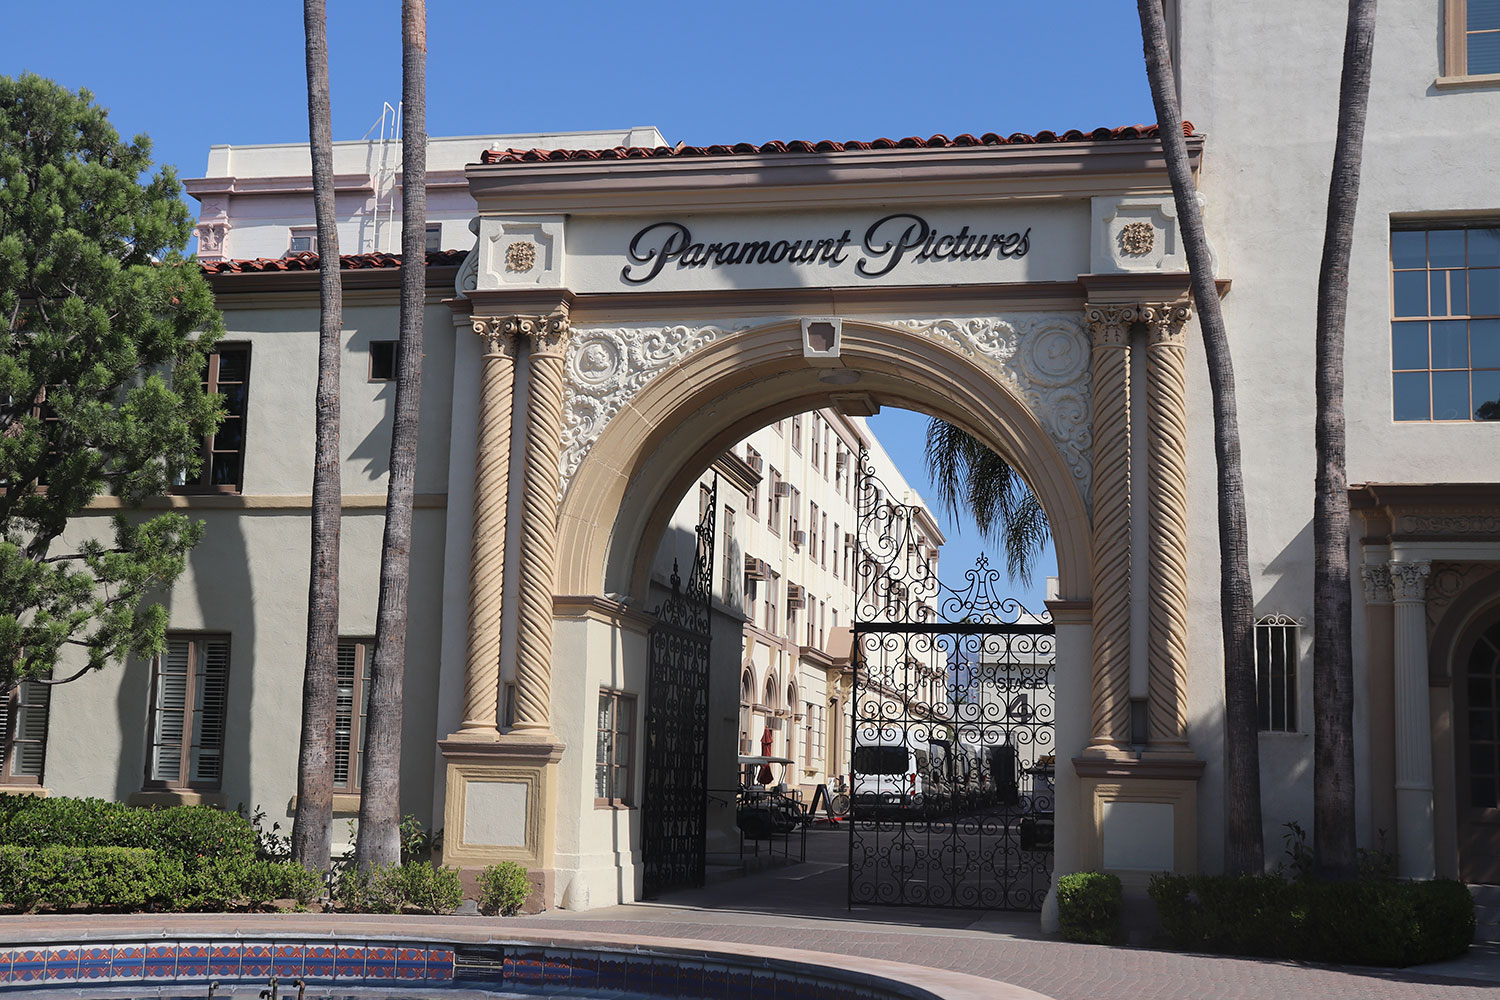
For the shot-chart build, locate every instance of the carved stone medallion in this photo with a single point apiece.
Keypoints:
(520, 256)
(1137, 239)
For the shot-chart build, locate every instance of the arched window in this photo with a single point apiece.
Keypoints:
(747, 699)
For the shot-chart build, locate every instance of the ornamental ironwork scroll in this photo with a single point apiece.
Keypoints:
(952, 745)
(675, 803)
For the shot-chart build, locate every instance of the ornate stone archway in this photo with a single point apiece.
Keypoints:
(600, 403)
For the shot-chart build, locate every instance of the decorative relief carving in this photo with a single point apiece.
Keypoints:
(468, 275)
(1377, 581)
(211, 238)
(520, 256)
(1137, 238)
(1448, 581)
(1043, 357)
(607, 368)
(1465, 522)
(1409, 580)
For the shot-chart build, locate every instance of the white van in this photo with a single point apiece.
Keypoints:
(889, 776)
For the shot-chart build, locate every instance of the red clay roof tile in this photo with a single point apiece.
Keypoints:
(825, 146)
(309, 262)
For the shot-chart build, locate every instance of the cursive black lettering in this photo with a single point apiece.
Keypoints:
(657, 255)
(913, 236)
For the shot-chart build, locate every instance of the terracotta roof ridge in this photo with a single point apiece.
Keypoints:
(308, 261)
(938, 141)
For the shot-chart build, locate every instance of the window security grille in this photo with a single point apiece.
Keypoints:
(1277, 650)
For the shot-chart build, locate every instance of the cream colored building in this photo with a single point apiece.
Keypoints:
(630, 311)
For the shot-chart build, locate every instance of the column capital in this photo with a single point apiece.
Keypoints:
(1377, 581)
(546, 332)
(1109, 323)
(1164, 323)
(1409, 580)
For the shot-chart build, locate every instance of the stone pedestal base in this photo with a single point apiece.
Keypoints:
(1138, 817)
(502, 804)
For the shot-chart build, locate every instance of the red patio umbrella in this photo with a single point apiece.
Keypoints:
(764, 776)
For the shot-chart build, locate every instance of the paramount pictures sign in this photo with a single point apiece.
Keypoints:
(883, 247)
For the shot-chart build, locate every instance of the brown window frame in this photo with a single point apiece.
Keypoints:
(622, 703)
(10, 742)
(364, 652)
(211, 383)
(184, 780)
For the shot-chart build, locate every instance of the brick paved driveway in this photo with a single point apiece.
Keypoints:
(803, 906)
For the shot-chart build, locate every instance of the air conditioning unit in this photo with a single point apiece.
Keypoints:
(848, 539)
(757, 569)
(783, 489)
(799, 538)
(842, 459)
(755, 461)
(796, 596)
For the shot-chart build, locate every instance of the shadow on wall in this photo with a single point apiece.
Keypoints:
(218, 580)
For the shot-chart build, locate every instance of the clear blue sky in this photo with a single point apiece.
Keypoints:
(191, 75)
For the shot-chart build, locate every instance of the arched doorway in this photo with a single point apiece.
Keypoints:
(1476, 706)
(632, 476)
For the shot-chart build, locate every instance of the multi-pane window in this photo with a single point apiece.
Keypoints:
(812, 530)
(730, 561)
(349, 714)
(302, 239)
(823, 541)
(1481, 722)
(816, 442)
(189, 701)
(434, 237)
(773, 594)
(797, 433)
(836, 536)
(752, 500)
(773, 509)
(1472, 30)
(1277, 645)
(223, 452)
(1482, 36)
(23, 733)
(1445, 331)
(615, 749)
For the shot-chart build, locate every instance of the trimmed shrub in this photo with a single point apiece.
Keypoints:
(98, 878)
(184, 832)
(226, 882)
(503, 889)
(1088, 907)
(393, 888)
(1362, 923)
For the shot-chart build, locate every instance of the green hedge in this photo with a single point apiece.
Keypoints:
(133, 878)
(1364, 923)
(394, 888)
(187, 833)
(1088, 907)
(98, 878)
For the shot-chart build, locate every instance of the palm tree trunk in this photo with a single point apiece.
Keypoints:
(313, 822)
(380, 806)
(1333, 665)
(1244, 850)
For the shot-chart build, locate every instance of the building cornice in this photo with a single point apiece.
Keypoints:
(827, 180)
(199, 187)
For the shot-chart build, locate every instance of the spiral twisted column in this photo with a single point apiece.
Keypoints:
(1110, 708)
(497, 379)
(548, 339)
(1166, 523)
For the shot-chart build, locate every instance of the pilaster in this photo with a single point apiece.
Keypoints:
(1415, 848)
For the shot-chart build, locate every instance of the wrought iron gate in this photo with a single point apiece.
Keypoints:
(676, 752)
(952, 729)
